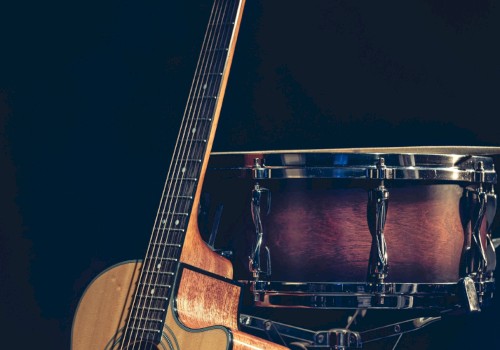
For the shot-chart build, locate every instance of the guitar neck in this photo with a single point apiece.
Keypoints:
(187, 169)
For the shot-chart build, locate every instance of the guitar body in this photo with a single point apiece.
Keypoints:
(202, 315)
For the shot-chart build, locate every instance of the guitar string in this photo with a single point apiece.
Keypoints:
(194, 147)
(177, 181)
(215, 63)
(186, 130)
(190, 131)
(141, 288)
(147, 299)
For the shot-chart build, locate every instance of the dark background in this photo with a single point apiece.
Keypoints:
(92, 92)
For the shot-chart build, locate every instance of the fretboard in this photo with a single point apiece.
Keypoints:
(153, 293)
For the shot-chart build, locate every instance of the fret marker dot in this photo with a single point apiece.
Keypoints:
(194, 130)
(164, 221)
(177, 222)
(183, 170)
(205, 86)
(158, 266)
(152, 291)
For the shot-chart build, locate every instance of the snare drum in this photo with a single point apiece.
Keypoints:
(327, 229)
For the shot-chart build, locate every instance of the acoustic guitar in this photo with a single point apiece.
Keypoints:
(180, 296)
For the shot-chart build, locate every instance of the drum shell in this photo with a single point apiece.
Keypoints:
(317, 229)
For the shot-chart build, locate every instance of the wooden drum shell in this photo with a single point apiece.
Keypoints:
(318, 232)
(317, 228)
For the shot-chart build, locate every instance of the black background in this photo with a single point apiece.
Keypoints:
(92, 93)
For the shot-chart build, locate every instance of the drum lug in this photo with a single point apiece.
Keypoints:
(491, 208)
(479, 259)
(259, 170)
(480, 208)
(380, 171)
(254, 259)
(378, 201)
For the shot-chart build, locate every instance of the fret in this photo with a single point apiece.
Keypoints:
(205, 97)
(222, 24)
(153, 309)
(163, 229)
(197, 140)
(158, 285)
(146, 319)
(180, 197)
(158, 272)
(217, 49)
(167, 244)
(190, 160)
(169, 229)
(152, 297)
(143, 329)
(184, 179)
(163, 258)
(174, 213)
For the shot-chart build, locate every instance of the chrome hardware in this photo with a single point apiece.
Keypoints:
(466, 217)
(478, 248)
(491, 208)
(336, 164)
(480, 174)
(469, 294)
(259, 170)
(378, 201)
(339, 339)
(254, 259)
(380, 172)
(397, 329)
(478, 252)
(332, 339)
(496, 242)
(340, 295)
(473, 209)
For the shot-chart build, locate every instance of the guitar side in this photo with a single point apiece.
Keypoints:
(202, 316)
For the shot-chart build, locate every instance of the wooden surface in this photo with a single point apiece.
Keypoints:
(318, 232)
(102, 313)
(203, 301)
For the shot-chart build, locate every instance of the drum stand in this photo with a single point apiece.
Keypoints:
(337, 338)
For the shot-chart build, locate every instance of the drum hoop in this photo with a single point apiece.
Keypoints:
(352, 295)
(322, 164)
